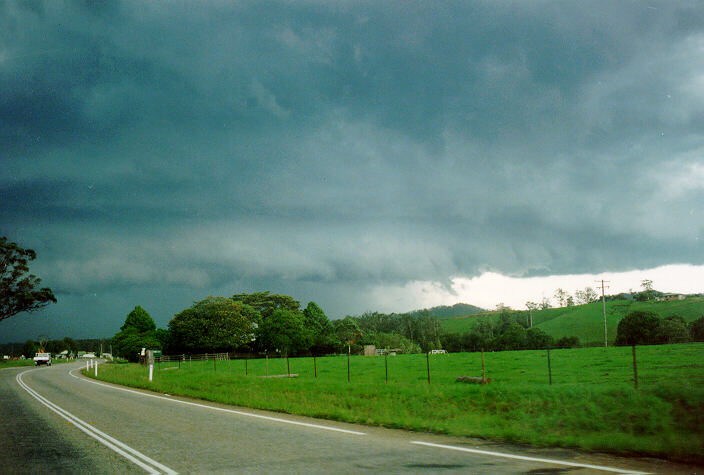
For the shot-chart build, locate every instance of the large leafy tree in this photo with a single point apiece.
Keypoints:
(213, 324)
(140, 320)
(285, 331)
(19, 290)
(638, 328)
(129, 342)
(138, 331)
(266, 303)
(29, 348)
(323, 338)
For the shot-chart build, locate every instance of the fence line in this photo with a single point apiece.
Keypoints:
(248, 359)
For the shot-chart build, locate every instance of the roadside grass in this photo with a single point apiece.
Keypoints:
(592, 403)
(16, 363)
(29, 362)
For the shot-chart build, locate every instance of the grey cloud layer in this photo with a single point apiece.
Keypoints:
(324, 149)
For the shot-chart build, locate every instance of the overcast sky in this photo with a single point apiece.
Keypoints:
(364, 155)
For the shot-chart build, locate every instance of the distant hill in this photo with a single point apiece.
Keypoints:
(586, 321)
(444, 311)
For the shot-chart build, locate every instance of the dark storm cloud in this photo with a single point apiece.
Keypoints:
(325, 149)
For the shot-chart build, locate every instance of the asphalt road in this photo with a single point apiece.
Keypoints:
(54, 420)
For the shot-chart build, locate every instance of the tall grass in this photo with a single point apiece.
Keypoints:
(592, 403)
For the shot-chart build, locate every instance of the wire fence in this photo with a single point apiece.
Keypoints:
(631, 365)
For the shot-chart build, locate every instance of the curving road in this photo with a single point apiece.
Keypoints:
(54, 420)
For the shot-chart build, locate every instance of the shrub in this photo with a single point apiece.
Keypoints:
(696, 329)
(673, 329)
(638, 328)
(567, 342)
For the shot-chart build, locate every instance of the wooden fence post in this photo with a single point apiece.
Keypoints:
(427, 364)
(386, 366)
(635, 368)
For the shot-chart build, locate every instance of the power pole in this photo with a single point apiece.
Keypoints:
(603, 302)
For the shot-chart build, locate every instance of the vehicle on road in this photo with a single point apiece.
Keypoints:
(42, 358)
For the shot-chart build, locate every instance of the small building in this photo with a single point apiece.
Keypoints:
(388, 351)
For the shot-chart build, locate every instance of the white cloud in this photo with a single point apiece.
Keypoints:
(490, 288)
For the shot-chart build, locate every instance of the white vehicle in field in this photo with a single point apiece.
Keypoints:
(42, 358)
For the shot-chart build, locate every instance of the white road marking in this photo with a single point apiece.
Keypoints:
(124, 450)
(230, 411)
(528, 459)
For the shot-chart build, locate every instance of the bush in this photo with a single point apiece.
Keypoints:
(638, 328)
(537, 339)
(568, 342)
(696, 329)
(673, 329)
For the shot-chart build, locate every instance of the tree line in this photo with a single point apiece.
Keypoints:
(262, 322)
(643, 327)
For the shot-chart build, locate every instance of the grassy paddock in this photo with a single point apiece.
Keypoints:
(28, 362)
(16, 363)
(592, 403)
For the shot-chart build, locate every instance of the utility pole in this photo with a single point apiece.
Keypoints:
(603, 302)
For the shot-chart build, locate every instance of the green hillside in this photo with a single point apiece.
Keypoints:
(445, 311)
(586, 321)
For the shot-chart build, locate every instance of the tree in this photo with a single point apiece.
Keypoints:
(588, 295)
(537, 339)
(561, 297)
(266, 303)
(19, 291)
(673, 329)
(545, 303)
(55, 346)
(591, 295)
(512, 338)
(322, 336)
(347, 330)
(71, 345)
(213, 324)
(29, 349)
(163, 336)
(140, 320)
(696, 329)
(138, 331)
(647, 285)
(567, 342)
(284, 331)
(128, 343)
(639, 327)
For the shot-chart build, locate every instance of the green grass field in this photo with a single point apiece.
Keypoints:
(592, 403)
(587, 321)
(15, 363)
(28, 362)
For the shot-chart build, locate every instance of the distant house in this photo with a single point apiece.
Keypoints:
(388, 351)
(671, 297)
